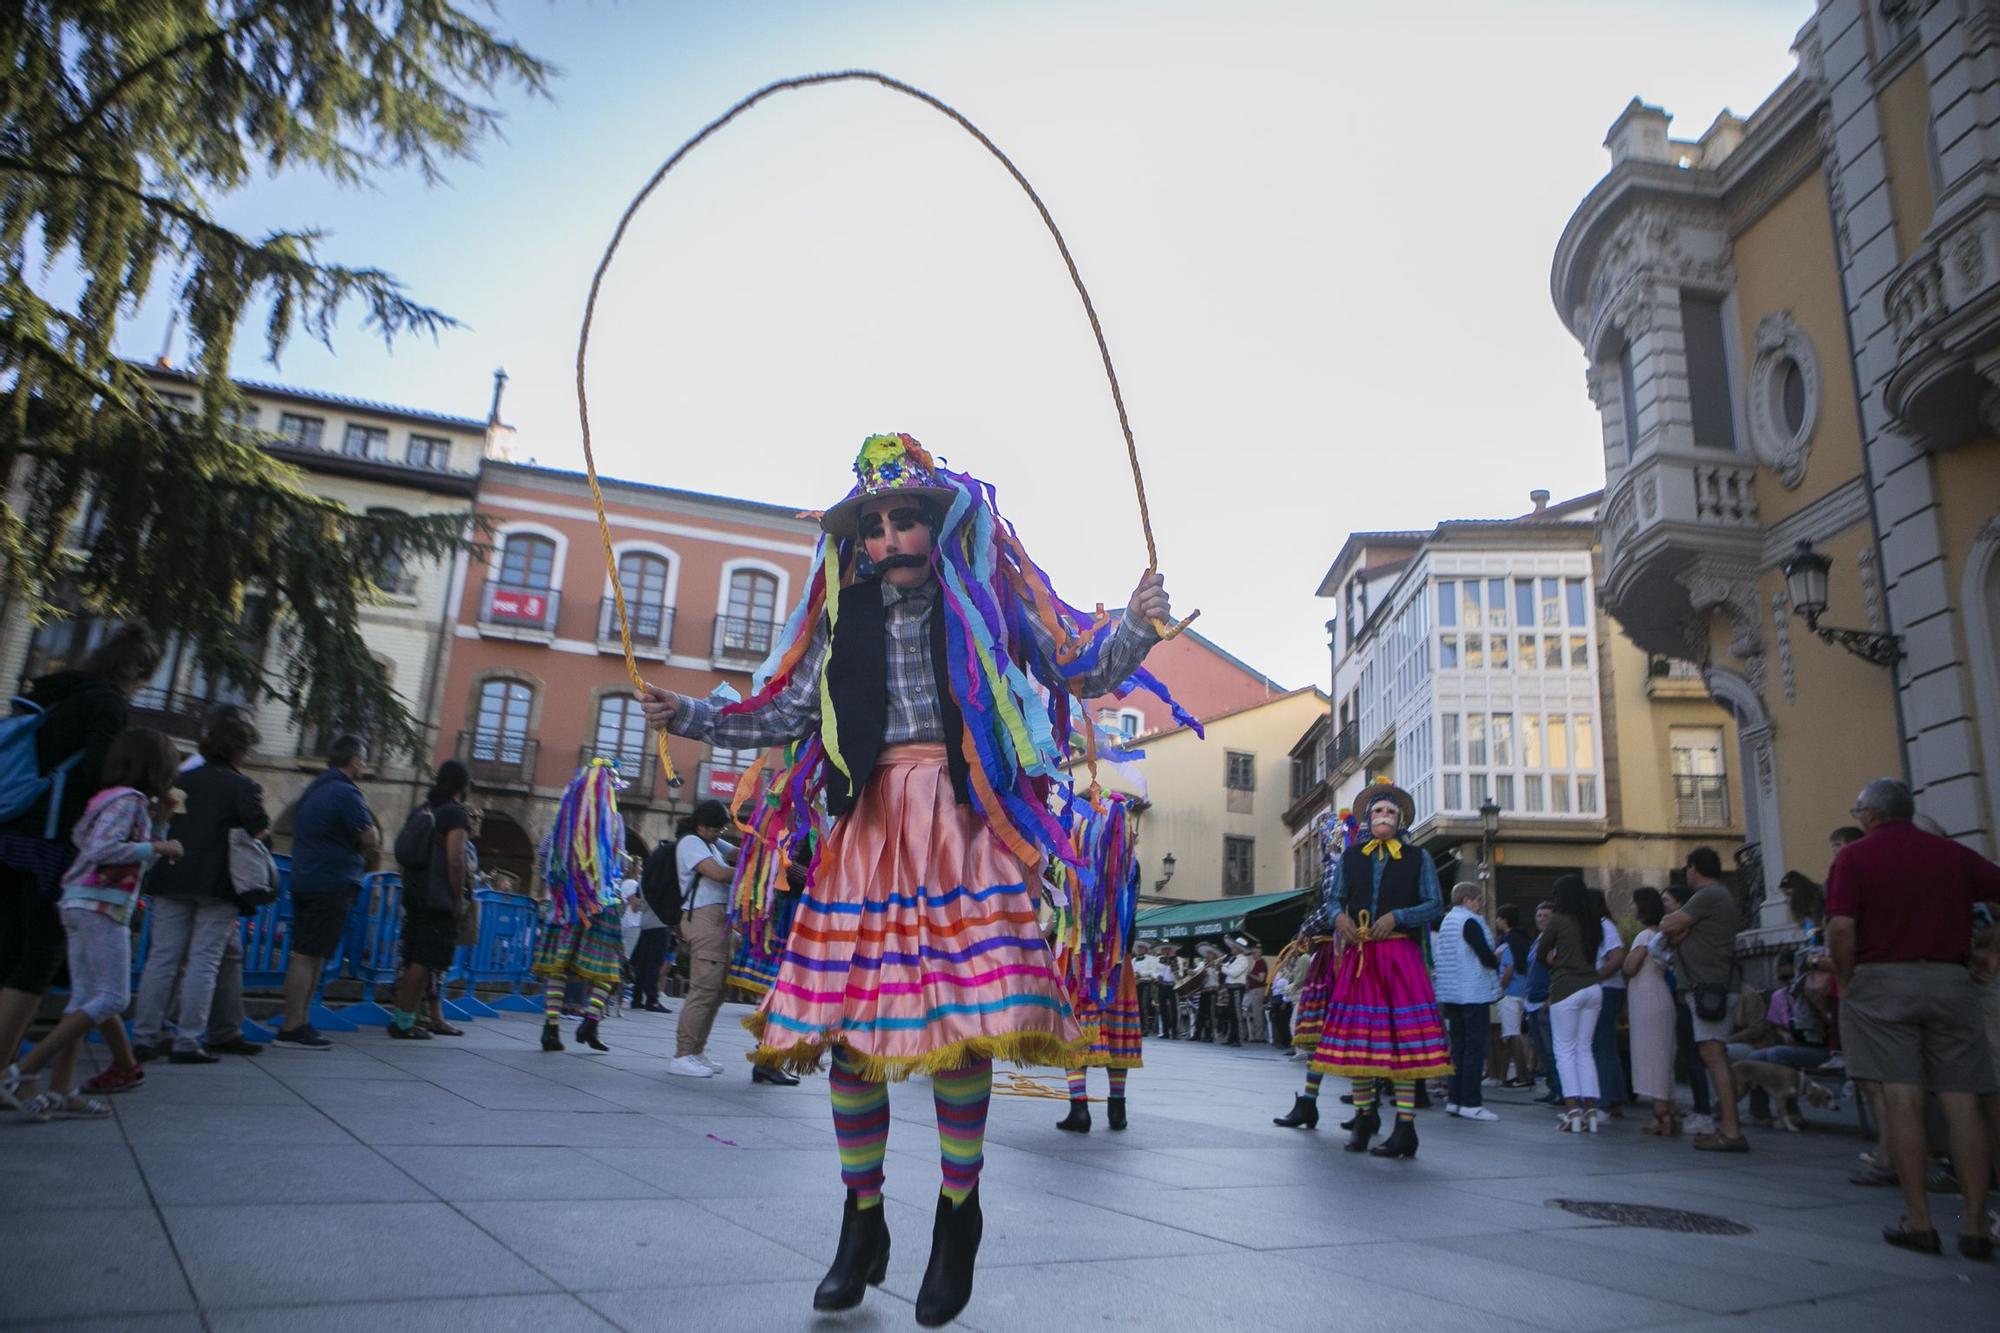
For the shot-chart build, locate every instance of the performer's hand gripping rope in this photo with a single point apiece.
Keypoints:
(1166, 630)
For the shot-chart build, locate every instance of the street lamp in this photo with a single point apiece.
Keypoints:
(1489, 828)
(1167, 872)
(1805, 582)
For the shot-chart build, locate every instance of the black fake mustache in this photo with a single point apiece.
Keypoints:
(889, 562)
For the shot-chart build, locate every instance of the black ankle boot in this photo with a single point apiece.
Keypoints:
(586, 1032)
(1402, 1140)
(954, 1245)
(1078, 1119)
(1114, 1112)
(860, 1261)
(1365, 1124)
(1303, 1115)
(551, 1037)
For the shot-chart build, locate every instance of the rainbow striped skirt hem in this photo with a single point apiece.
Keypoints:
(1112, 1034)
(916, 949)
(1383, 1021)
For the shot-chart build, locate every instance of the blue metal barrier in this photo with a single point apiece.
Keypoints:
(370, 951)
(374, 956)
(508, 926)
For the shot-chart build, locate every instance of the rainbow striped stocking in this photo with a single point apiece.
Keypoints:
(861, 1128)
(1365, 1094)
(1311, 1093)
(1406, 1101)
(1078, 1089)
(1117, 1077)
(599, 994)
(962, 1096)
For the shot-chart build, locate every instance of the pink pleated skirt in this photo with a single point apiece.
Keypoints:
(1383, 1020)
(917, 947)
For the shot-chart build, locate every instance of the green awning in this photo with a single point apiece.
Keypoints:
(1186, 921)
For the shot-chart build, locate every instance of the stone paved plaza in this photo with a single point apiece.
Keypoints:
(482, 1184)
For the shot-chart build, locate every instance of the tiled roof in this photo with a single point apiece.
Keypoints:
(299, 395)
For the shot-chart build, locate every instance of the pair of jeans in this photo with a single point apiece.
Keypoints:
(649, 955)
(1545, 1047)
(1615, 1090)
(1689, 1059)
(1572, 1021)
(1467, 1024)
(190, 939)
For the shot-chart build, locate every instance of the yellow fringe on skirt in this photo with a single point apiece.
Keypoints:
(1018, 1048)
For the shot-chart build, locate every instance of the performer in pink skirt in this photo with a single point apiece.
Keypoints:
(933, 671)
(1382, 1022)
(1335, 834)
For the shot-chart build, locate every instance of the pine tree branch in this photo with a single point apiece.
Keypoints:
(149, 66)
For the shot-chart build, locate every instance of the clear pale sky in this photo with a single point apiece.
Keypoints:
(1318, 234)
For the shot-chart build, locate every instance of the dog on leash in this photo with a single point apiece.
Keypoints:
(1784, 1086)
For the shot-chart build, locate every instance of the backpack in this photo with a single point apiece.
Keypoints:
(413, 844)
(22, 782)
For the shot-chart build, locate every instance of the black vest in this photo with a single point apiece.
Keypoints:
(1400, 890)
(857, 677)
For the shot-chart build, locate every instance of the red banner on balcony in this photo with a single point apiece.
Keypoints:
(722, 783)
(514, 604)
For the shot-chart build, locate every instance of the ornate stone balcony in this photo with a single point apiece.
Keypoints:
(1672, 526)
(1944, 307)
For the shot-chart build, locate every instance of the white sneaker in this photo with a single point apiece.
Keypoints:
(689, 1066)
(1699, 1124)
(12, 1085)
(713, 1067)
(1451, 1108)
(1476, 1113)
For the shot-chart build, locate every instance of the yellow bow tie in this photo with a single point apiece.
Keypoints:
(1393, 846)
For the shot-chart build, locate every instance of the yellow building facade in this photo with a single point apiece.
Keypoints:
(1792, 328)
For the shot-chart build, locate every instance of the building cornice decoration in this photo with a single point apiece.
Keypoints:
(1781, 630)
(1781, 342)
(1679, 243)
(1836, 192)
(1730, 587)
(1826, 518)
(1871, 589)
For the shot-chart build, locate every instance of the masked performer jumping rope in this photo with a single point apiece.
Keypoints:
(933, 672)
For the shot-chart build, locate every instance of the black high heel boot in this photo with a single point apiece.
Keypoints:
(1402, 1140)
(551, 1037)
(1365, 1124)
(860, 1261)
(954, 1246)
(1303, 1115)
(1114, 1112)
(586, 1032)
(1078, 1119)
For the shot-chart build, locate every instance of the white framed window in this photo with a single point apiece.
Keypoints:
(303, 431)
(371, 442)
(1240, 771)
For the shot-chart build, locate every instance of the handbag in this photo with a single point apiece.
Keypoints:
(253, 873)
(1711, 1002)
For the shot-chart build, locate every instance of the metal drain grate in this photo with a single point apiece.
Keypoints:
(1656, 1219)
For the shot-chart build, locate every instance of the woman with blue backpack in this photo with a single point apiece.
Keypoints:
(52, 755)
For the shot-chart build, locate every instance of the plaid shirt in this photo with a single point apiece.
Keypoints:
(914, 712)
